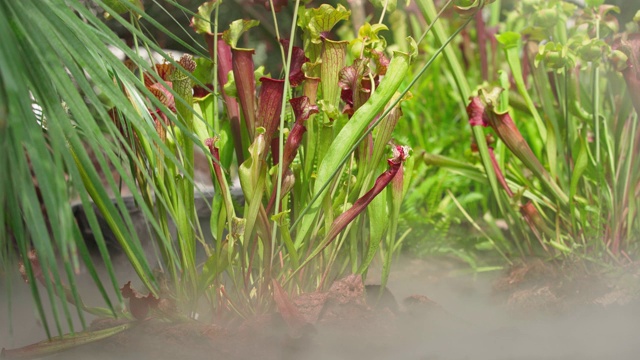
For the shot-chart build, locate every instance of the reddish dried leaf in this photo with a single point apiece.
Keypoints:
(289, 312)
(35, 266)
(139, 305)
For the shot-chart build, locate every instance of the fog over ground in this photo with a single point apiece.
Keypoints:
(474, 324)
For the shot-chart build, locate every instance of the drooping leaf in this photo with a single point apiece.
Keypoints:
(201, 22)
(236, 29)
(315, 22)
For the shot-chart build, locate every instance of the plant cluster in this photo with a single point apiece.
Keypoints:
(560, 100)
(321, 175)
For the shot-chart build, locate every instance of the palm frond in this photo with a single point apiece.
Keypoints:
(61, 61)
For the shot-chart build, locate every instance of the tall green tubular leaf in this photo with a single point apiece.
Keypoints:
(243, 69)
(344, 220)
(428, 10)
(186, 217)
(511, 45)
(378, 210)
(350, 133)
(581, 163)
(252, 173)
(333, 60)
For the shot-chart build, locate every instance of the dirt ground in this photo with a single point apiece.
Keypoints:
(432, 309)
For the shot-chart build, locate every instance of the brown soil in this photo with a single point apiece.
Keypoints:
(539, 286)
(358, 321)
(344, 308)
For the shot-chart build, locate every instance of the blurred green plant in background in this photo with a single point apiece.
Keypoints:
(564, 133)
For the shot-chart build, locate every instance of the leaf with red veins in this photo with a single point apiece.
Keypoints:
(381, 61)
(400, 154)
(230, 102)
(303, 108)
(508, 132)
(215, 152)
(164, 71)
(356, 87)
(475, 110)
(296, 75)
(347, 81)
(164, 95)
(139, 305)
(187, 63)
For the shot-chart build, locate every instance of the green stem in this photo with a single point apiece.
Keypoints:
(283, 113)
(429, 11)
